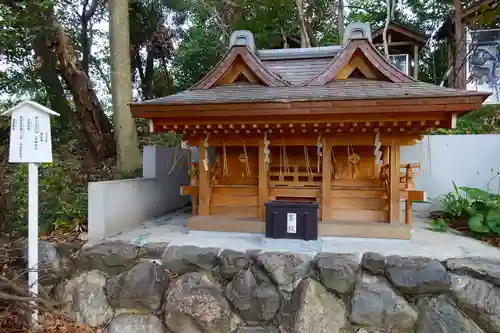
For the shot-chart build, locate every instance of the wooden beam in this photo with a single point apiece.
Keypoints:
(263, 182)
(413, 195)
(310, 138)
(394, 199)
(326, 191)
(362, 65)
(189, 190)
(295, 120)
(453, 120)
(311, 110)
(396, 44)
(239, 68)
(204, 182)
(431, 104)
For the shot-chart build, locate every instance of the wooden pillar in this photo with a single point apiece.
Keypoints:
(326, 190)
(415, 61)
(385, 155)
(204, 183)
(194, 205)
(394, 203)
(408, 212)
(263, 182)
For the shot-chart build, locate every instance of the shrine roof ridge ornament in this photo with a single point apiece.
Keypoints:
(242, 38)
(357, 30)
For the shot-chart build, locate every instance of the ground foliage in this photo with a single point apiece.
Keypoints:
(473, 211)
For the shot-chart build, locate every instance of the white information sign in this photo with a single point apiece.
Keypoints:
(30, 138)
(30, 142)
(291, 223)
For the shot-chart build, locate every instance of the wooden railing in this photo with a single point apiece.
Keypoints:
(297, 177)
(406, 178)
(406, 184)
(385, 177)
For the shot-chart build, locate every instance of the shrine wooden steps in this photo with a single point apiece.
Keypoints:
(239, 201)
(359, 200)
(229, 223)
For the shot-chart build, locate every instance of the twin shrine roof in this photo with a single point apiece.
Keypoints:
(354, 71)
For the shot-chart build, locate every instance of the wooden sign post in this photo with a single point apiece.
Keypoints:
(30, 142)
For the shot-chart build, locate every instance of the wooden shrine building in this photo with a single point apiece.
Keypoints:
(402, 40)
(320, 124)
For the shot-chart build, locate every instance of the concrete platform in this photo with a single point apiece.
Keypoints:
(171, 229)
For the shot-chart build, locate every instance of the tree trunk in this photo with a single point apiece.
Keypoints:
(387, 21)
(88, 107)
(146, 74)
(341, 20)
(129, 157)
(460, 54)
(313, 42)
(304, 36)
(88, 12)
(46, 64)
(89, 116)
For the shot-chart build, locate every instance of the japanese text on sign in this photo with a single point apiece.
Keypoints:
(30, 138)
(291, 223)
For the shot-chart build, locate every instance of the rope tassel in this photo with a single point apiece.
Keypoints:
(267, 159)
(225, 169)
(247, 165)
(377, 145)
(308, 165)
(319, 151)
(206, 160)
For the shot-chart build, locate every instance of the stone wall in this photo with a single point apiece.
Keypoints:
(158, 288)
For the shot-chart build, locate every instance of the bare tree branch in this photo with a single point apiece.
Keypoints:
(91, 10)
(101, 73)
(304, 36)
(44, 305)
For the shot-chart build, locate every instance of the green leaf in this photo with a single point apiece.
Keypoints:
(493, 220)
(438, 225)
(476, 224)
(477, 194)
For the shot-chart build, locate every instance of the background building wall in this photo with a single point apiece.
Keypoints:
(116, 206)
(467, 160)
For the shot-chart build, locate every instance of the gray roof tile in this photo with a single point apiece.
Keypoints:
(351, 89)
(298, 70)
(300, 53)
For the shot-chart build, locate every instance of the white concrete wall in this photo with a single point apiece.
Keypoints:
(116, 206)
(467, 160)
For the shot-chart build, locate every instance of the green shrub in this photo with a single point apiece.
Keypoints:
(480, 208)
(62, 197)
